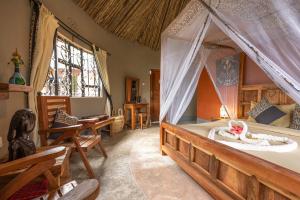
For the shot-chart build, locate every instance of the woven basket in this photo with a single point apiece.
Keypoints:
(118, 124)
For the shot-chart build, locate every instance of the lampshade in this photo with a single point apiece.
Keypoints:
(223, 112)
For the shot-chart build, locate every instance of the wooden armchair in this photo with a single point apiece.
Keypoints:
(27, 169)
(47, 107)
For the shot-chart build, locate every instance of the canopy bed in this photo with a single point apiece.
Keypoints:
(247, 160)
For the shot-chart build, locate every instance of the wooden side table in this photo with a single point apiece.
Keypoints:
(133, 107)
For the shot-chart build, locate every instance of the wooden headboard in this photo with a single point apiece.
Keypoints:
(248, 93)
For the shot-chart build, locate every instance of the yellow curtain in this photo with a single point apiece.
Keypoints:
(101, 60)
(46, 27)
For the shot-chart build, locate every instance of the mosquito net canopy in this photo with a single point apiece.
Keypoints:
(268, 31)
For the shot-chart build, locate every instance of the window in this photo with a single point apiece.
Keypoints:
(72, 71)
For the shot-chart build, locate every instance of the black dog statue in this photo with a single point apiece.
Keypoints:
(21, 126)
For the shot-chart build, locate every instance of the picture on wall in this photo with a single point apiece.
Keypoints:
(227, 70)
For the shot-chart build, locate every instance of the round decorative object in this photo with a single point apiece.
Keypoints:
(238, 130)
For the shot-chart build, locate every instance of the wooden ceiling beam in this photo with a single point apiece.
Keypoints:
(142, 21)
(148, 20)
(120, 14)
(94, 9)
(152, 30)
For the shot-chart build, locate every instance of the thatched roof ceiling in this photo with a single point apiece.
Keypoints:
(142, 21)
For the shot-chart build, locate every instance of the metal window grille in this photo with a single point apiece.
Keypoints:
(72, 72)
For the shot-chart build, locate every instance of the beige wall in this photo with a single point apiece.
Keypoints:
(14, 33)
(85, 106)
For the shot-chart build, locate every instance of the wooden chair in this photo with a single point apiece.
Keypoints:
(144, 118)
(61, 167)
(26, 170)
(47, 107)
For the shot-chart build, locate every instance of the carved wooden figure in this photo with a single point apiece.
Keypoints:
(21, 126)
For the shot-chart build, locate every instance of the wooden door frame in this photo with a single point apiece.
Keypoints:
(151, 89)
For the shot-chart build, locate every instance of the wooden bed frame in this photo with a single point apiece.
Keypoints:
(228, 173)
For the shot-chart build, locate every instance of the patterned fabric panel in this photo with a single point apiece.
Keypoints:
(296, 118)
(261, 106)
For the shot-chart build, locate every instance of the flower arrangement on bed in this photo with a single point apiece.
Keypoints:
(237, 135)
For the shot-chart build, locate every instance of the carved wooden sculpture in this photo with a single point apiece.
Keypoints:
(21, 126)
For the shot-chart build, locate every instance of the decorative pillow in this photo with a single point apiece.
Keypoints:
(296, 118)
(62, 119)
(265, 113)
(284, 121)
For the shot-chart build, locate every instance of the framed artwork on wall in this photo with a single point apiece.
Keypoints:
(227, 70)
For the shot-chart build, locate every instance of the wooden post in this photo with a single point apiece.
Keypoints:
(133, 118)
(241, 83)
(162, 139)
(84, 158)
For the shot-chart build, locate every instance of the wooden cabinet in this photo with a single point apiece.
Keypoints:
(132, 90)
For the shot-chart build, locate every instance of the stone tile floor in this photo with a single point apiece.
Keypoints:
(135, 170)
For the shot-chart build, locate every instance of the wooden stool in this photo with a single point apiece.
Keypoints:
(144, 120)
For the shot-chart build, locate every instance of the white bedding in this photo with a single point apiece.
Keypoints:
(289, 160)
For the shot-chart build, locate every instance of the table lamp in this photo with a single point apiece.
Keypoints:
(223, 112)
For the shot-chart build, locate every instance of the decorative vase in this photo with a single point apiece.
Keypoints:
(17, 77)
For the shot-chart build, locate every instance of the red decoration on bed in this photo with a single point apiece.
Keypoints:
(236, 129)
